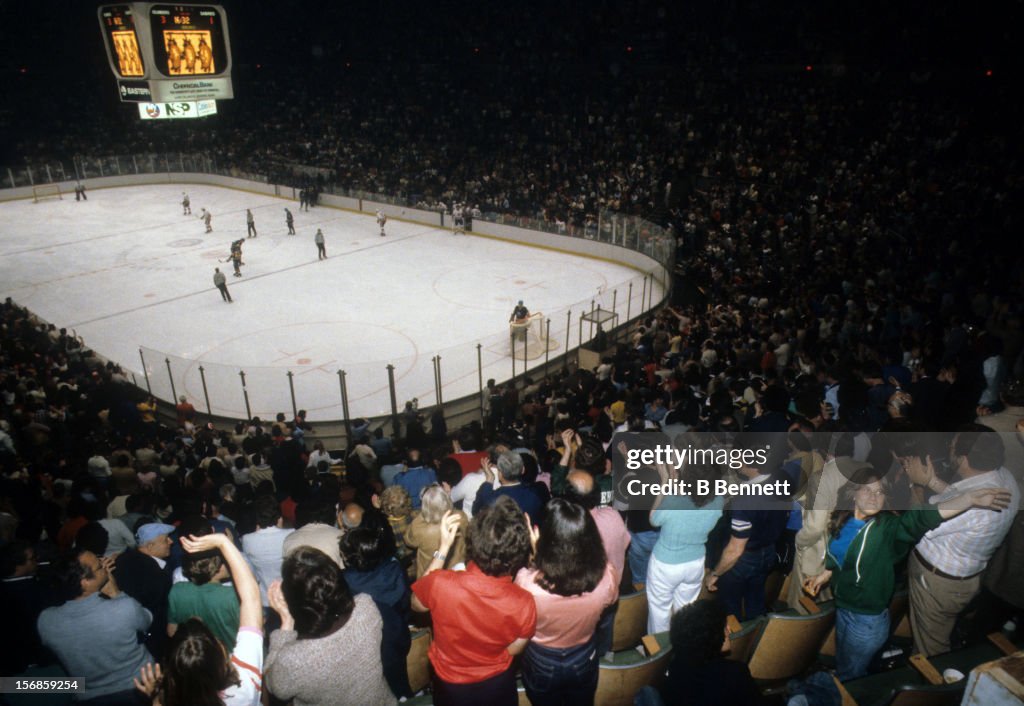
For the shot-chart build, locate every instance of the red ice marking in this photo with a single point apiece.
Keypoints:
(303, 361)
(150, 295)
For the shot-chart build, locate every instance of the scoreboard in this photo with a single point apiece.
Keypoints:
(180, 52)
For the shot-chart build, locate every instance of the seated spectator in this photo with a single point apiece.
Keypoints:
(204, 594)
(700, 674)
(424, 533)
(22, 598)
(142, 573)
(324, 633)
(198, 670)
(572, 583)
(95, 632)
(372, 568)
(481, 620)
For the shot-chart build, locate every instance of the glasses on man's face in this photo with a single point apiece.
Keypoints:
(875, 493)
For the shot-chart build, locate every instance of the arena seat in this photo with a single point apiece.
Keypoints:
(617, 684)
(788, 646)
(417, 661)
(630, 621)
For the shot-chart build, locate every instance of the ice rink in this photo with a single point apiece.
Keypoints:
(127, 270)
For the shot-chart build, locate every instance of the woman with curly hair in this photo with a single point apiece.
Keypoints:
(396, 505)
(324, 633)
(572, 583)
(481, 619)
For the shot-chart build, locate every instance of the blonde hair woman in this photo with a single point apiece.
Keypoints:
(424, 534)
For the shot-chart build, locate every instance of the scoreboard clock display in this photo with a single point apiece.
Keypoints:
(122, 41)
(188, 40)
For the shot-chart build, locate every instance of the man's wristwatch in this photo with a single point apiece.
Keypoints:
(439, 555)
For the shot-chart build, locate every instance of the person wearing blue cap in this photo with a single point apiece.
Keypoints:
(142, 574)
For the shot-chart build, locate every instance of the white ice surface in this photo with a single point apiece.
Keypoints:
(126, 269)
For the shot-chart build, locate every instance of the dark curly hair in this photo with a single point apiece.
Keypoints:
(570, 555)
(365, 548)
(316, 593)
(697, 632)
(499, 540)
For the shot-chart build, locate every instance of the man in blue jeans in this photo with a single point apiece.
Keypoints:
(755, 524)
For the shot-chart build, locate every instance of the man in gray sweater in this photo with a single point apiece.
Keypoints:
(221, 283)
(95, 633)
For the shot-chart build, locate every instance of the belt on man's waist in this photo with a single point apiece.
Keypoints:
(942, 574)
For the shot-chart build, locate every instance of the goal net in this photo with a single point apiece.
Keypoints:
(529, 338)
(45, 192)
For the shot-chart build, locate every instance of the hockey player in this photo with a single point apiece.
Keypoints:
(186, 204)
(236, 256)
(381, 220)
(80, 192)
(459, 218)
(250, 222)
(290, 221)
(207, 219)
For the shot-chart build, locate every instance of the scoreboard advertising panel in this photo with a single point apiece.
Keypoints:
(183, 51)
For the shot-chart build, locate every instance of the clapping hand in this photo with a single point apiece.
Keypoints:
(449, 529)
(148, 681)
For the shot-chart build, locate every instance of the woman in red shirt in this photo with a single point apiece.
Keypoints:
(481, 619)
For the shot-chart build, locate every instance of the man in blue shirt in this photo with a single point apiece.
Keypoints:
(531, 497)
(415, 477)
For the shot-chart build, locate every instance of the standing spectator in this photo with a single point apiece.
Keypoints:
(866, 541)
(95, 632)
(397, 507)
(530, 497)
(675, 573)
(264, 548)
(481, 620)
(755, 525)
(425, 532)
(204, 595)
(22, 598)
(186, 413)
(373, 569)
(416, 476)
(572, 583)
(315, 519)
(324, 632)
(198, 670)
(946, 566)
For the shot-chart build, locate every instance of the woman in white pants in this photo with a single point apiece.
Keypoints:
(676, 569)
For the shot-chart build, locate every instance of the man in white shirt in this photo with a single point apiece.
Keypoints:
(946, 566)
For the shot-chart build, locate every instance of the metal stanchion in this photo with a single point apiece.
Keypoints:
(245, 395)
(206, 394)
(174, 393)
(394, 400)
(344, 406)
(291, 387)
(145, 372)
